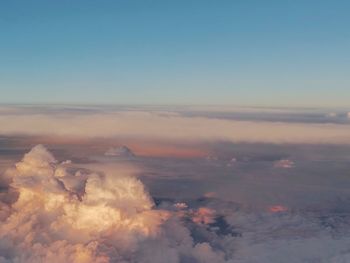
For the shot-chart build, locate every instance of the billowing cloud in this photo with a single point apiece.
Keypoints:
(58, 211)
(62, 213)
(204, 215)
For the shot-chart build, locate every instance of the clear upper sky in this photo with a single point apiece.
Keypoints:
(243, 52)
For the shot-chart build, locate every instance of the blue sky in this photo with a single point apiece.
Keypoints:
(271, 53)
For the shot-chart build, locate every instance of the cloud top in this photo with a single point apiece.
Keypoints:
(67, 214)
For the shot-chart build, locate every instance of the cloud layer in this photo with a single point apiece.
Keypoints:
(169, 126)
(55, 212)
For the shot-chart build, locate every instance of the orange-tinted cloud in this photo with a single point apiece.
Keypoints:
(277, 208)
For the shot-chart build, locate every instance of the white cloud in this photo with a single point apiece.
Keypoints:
(285, 163)
(151, 125)
(288, 237)
(64, 212)
(88, 216)
(54, 215)
(122, 151)
(332, 115)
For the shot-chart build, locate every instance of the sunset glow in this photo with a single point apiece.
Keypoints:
(179, 131)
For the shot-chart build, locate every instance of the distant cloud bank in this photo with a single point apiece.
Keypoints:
(167, 125)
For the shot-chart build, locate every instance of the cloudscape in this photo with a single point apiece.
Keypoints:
(174, 132)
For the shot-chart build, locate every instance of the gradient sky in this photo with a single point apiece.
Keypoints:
(271, 53)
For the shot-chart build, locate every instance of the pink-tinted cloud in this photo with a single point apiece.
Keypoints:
(171, 127)
(277, 208)
(285, 163)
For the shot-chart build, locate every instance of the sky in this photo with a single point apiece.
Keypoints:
(269, 53)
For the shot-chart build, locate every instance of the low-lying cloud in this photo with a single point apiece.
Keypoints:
(58, 211)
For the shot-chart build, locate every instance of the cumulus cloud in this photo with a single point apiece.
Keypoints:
(122, 151)
(181, 205)
(78, 207)
(155, 125)
(284, 163)
(204, 215)
(66, 214)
